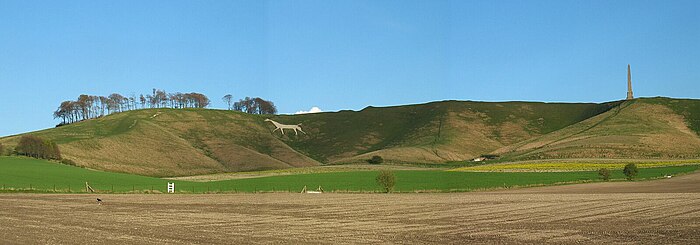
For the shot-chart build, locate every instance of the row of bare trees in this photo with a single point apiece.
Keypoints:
(91, 106)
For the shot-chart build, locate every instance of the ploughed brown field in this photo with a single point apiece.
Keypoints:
(662, 211)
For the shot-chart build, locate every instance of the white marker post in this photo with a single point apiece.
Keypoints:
(171, 187)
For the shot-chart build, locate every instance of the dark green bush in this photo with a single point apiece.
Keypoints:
(630, 171)
(604, 174)
(490, 156)
(386, 180)
(376, 160)
(33, 146)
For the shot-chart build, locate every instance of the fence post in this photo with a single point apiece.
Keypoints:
(54, 187)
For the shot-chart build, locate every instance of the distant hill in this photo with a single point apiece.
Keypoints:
(173, 142)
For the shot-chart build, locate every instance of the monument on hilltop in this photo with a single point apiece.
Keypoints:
(629, 83)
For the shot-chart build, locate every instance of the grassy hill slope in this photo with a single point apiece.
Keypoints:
(432, 132)
(642, 128)
(170, 142)
(176, 142)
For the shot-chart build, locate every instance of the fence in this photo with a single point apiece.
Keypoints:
(169, 187)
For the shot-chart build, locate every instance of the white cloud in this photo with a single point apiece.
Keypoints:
(312, 110)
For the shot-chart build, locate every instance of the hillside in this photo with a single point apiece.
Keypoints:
(176, 142)
(642, 128)
(432, 132)
(171, 142)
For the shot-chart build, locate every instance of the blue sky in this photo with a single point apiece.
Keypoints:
(343, 54)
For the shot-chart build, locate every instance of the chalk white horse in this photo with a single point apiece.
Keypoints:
(282, 127)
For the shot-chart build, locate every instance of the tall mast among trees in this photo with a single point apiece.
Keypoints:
(629, 83)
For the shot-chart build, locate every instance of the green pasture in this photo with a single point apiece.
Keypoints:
(33, 175)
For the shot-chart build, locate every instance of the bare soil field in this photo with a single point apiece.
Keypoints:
(669, 212)
(689, 183)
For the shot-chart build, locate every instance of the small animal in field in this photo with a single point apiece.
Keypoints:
(282, 127)
(99, 201)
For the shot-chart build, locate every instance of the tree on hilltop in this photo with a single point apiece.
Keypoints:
(114, 102)
(228, 99)
(266, 107)
(142, 100)
(199, 100)
(255, 106)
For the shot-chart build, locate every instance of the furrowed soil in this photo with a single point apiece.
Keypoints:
(653, 212)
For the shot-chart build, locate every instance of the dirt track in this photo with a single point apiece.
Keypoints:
(489, 217)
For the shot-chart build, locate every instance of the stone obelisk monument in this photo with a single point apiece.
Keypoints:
(629, 83)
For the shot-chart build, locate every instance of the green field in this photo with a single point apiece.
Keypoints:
(25, 174)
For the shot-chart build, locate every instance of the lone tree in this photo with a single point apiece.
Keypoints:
(604, 173)
(386, 180)
(228, 99)
(630, 171)
(375, 160)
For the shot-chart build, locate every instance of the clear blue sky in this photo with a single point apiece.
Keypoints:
(343, 54)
